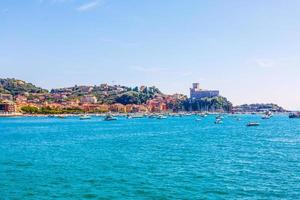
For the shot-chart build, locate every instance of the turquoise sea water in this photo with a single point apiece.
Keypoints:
(174, 158)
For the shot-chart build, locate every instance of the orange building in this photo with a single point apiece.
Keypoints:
(117, 107)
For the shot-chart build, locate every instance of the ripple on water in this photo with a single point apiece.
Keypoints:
(175, 158)
(89, 196)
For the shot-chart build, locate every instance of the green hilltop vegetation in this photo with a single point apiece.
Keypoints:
(107, 94)
(14, 87)
(213, 104)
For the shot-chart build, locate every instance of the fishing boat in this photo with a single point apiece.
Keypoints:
(253, 124)
(294, 115)
(109, 118)
(85, 117)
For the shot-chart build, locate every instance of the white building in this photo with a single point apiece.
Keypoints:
(88, 99)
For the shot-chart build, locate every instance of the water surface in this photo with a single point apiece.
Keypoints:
(175, 158)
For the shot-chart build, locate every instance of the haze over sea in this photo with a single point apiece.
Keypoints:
(174, 158)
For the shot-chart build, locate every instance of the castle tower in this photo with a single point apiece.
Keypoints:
(196, 86)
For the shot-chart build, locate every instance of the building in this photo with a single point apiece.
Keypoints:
(117, 107)
(197, 93)
(156, 105)
(21, 99)
(8, 97)
(88, 99)
(7, 107)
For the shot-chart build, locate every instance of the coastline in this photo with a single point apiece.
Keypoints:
(144, 114)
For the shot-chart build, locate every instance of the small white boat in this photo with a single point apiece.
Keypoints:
(109, 118)
(253, 124)
(266, 117)
(218, 121)
(161, 117)
(85, 117)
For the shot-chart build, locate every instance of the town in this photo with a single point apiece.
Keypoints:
(18, 97)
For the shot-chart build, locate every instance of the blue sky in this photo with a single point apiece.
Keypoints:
(249, 50)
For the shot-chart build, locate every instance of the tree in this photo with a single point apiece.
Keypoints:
(30, 109)
(129, 98)
(135, 89)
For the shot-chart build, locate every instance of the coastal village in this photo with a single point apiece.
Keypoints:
(85, 101)
(18, 97)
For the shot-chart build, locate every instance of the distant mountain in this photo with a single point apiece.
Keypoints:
(259, 107)
(14, 87)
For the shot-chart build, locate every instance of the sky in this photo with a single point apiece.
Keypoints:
(249, 50)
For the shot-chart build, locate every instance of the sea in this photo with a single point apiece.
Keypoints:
(187, 157)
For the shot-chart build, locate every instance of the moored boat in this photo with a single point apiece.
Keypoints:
(294, 115)
(109, 118)
(253, 124)
(218, 121)
(85, 117)
(161, 117)
(266, 117)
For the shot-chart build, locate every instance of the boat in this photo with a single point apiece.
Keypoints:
(219, 117)
(269, 113)
(266, 117)
(137, 116)
(253, 124)
(294, 115)
(218, 121)
(198, 120)
(85, 117)
(203, 115)
(109, 118)
(161, 117)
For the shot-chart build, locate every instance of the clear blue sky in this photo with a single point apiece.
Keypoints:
(249, 50)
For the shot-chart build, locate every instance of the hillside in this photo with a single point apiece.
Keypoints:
(15, 87)
(215, 104)
(109, 94)
(259, 107)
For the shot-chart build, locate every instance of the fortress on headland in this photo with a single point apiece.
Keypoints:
(197, 93)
